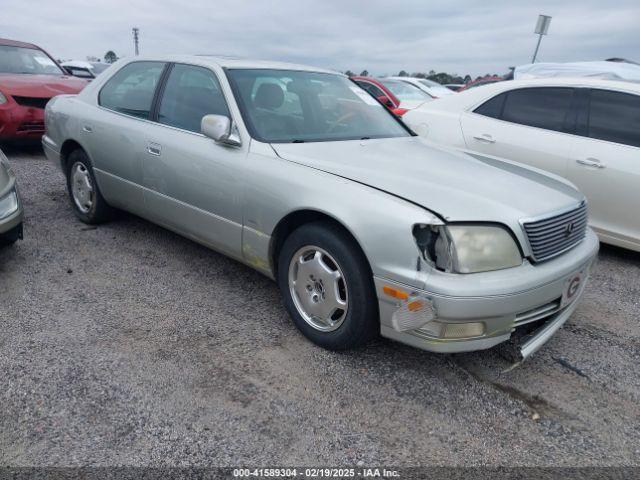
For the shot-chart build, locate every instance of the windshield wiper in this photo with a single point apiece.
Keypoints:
(365, 138)
(297, 141)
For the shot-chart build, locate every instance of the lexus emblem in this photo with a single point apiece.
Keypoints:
(568, 230)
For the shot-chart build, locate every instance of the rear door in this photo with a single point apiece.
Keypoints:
(605, 164)
(113, 130)
(527, 125)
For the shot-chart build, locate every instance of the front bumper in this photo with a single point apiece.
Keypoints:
(500, 301)
(11, 226)
(18, 122)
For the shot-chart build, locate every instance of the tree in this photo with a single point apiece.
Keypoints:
(349, 73)
(364, 73)
(403, 74)
(91, 58)
(110, 57)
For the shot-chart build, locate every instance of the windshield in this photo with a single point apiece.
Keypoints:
(284, 106)
(99, 67)
(405, 91)
(435, 87)
(26, 60)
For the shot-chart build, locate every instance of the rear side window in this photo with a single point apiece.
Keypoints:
(547, 107)
(191, 93)
(132, 88)
(615, 117)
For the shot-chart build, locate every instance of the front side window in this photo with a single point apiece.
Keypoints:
(405, 91)
(191, 93)
(132, 88)
(285, 106)
(27, 60)
(546, 108)
(615, 117)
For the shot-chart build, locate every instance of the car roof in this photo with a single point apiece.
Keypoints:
(233, 62)
(466, 99)
(15, 43)
(571, 82)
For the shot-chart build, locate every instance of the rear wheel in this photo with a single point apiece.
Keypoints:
(86, 199)
(327, 287)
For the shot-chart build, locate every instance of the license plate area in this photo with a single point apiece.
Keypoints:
(572, 287)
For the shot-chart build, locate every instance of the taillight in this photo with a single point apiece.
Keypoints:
(400, 111)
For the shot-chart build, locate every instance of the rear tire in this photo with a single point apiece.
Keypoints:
(88, 203)
(327, 287)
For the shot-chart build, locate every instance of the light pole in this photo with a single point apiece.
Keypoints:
(136, 30)
(542, 27)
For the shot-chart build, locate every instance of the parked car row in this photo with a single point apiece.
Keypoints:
(301, 174)
(304, 175)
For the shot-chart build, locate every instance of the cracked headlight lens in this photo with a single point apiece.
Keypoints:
(8, 204)
(468, 248)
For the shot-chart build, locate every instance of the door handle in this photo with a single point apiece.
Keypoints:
(154, 149)
(87, 128)
(485, 138)
(591, 162)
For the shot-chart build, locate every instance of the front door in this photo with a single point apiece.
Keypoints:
(527, 125)
(193, 185)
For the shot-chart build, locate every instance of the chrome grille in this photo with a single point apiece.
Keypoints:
(35, 102)
(553, 235)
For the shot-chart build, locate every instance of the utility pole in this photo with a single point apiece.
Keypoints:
(136, 31)
(542, 27)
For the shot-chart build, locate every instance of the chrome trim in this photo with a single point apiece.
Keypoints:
(538, 313)
(549, 216)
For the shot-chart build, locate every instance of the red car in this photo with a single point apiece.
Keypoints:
(396, 95)
(482, 81)
(29, 78)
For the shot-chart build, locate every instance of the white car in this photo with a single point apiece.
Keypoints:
(431, 88)
(586, 130)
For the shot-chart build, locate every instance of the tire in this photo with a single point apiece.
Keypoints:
(334, 276)
(88, 203)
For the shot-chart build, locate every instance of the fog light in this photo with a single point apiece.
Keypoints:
(463, 330)
(412, 313)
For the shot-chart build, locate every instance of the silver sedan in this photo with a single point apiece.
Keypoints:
(302, 175)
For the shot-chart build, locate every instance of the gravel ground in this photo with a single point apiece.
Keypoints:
(129, 345)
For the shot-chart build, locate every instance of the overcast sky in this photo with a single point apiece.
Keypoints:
(456, 36)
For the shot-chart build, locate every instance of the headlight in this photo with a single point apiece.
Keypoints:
(467, 248)
(3, 99)
(8, 204)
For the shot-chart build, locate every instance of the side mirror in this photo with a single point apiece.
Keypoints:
(386, 101)
(220, 129)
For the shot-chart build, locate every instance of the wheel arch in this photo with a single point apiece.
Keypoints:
(296, 219)
(68, 146)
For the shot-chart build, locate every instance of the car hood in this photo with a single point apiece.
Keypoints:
(454, 185)
(40, 86)
(411, 104)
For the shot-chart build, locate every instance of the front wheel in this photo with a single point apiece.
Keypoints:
(327, 287)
